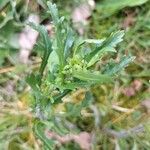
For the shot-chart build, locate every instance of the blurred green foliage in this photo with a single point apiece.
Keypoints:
(17, 121)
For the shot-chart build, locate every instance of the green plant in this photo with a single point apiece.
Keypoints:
(69, 63)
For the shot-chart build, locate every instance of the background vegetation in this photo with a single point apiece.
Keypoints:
(115, 116)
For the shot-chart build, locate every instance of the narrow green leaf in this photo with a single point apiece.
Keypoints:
(54, 13)
(111, 70)
(43, 33)
(39, 129)
(74, 85)
(89, 41)
(92, 77)
(47, 43)
(100, 54)
(59, 34)
(115, 38)
(68, 43)
(111, 41)
(58, 98)
(94, 41)
(33, 80)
